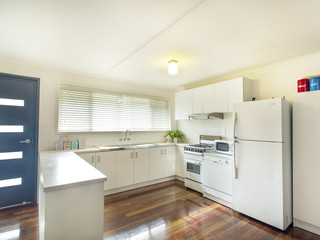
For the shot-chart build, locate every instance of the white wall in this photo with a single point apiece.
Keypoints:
(276, 79)
(273, 80)
(194, 128)
(49, 80)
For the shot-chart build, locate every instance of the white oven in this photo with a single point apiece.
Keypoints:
(193, 162)
(193, 157)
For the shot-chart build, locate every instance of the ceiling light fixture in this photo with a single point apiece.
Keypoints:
(173, 67)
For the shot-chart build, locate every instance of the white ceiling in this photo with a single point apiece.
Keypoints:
(133, 40)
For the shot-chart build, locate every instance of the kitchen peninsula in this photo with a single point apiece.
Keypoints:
(71, 198)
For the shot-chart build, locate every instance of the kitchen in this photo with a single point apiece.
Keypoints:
(273, 78)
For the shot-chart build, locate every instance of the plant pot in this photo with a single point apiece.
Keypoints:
(175, 140)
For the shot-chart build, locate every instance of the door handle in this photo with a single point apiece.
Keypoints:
(234, 160)
(27, 141)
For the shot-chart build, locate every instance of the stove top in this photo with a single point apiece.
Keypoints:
(206, 144)
(200, 148)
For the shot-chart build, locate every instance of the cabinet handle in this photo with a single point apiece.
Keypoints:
(92, 159)
(161, 151)
(98, 159)
(131, 154)
(136, 154)
(165, 151)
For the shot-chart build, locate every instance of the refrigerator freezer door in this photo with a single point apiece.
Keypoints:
(258, 188)
(259, 120)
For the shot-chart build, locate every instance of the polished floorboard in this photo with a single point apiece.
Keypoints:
(162, 211)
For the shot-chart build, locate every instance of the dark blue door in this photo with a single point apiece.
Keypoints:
(19, 104)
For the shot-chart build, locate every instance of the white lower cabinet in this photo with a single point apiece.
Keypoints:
(156, 163)
(162, 162)
(180, 165)
(124, 172)
(89, 157)
(127, 167)
(169, 164)
(141, 166)
(132, 167)
(106, 163)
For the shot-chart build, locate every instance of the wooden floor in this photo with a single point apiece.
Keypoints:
(162, 211)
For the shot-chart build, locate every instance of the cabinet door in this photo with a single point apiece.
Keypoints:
(197, 100)
(141, 166)
(124, 173)
(89, 157)
(235, 92)
(106, 163)
(177, 106)
(186, 104)
(221, 97)
(169, 164)
(156, 163)
(208, 98)
(180, 161)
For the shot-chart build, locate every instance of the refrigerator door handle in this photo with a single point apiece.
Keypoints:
(234, 159)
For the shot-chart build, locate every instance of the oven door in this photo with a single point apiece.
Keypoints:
(193, 170)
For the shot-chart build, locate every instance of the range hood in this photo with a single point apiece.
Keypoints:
(203, 116)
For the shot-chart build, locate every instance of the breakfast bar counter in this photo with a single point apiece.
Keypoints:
(71, 198)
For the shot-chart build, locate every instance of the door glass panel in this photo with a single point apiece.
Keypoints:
(10, 155)
(11, 102)
(10, 182)
(193, 168)
(11, 128)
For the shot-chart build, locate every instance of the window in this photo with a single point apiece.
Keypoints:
(88, 110)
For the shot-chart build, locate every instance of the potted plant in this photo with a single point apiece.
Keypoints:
(169, 136)
(176, 135)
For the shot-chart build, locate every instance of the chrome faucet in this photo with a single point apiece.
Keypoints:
(126, 136)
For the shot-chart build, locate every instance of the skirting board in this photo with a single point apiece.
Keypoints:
(218, 200)
(306, 226)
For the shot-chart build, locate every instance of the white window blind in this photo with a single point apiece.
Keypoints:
(95, 111)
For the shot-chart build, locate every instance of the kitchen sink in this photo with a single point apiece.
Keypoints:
(111, 148)
(124, 147)
(149, 145)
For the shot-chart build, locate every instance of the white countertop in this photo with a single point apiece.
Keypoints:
(65, 169)
(62, 170)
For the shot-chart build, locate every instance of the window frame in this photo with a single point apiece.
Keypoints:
(102, 91)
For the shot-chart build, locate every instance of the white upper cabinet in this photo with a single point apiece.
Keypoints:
(239, 90)
(185, 104)
(221, 97)
(197, 100)
(208, 98)
(177, 106)
(217, 97)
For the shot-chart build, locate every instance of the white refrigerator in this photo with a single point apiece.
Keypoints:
(262, 185)
(306, 161)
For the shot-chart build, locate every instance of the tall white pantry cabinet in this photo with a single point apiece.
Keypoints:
(306, 161)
